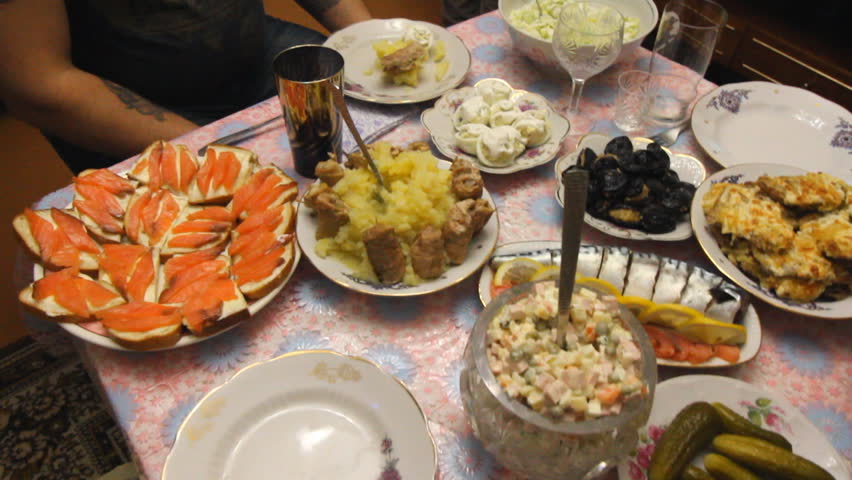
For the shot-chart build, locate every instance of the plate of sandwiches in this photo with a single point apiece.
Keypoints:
(173, 251)
(433, 227)
(396, 61)
(694, 318)
(781, 233)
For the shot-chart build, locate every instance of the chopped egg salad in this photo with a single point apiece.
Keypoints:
(592, 376)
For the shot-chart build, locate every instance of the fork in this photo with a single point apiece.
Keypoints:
(669, 136)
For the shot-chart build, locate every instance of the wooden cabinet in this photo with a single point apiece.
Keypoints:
(761, 43)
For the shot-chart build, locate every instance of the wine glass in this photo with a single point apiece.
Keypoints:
(586, 41)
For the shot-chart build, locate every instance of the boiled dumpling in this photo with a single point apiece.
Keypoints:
(493, 90)
(472, 110)
(533, 106)
(533, 130)
(504, 112)
(499, 146)
(467, 136)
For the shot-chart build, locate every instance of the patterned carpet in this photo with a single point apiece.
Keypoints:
(53, 424)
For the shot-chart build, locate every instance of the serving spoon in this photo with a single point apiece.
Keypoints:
(575, 183)
(347, 118)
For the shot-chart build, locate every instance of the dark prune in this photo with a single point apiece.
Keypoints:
(603, 163)
(658, 189)
(658, 219)
(586, 158)
(619, 146)
(687, 186)
(634, 186)
(677, 199)
(640, 198)
(635, 163)
(625, 215)
(598, 207)
(612, 183)
(658, 159)
(670, 177)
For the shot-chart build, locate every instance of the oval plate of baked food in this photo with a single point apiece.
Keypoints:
(443, 124)
(359, 273)
(614, 263)
(423, 60)
(688, 169)
(791, 256)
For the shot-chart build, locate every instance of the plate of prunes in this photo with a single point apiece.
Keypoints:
(638, 190)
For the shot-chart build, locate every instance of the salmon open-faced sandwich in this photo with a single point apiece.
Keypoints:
(223, 170)
(57, 239)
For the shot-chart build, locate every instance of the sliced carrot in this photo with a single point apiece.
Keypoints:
(139, 316)
(75, 230)
(268, 219)
(188, 167)
(608, 394)
(728, 353)
(94, 292)
(205, 173)
(142, 277)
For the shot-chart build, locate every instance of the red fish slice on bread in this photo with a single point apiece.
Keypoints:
(100, 200)
(57, 238)
(163, 165)
(224, 170)
(263, 249)
(69, 296)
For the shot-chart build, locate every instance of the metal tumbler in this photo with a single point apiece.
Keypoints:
(304, 77)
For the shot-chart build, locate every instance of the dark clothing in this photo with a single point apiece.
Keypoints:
(456, 11)
(202, 59)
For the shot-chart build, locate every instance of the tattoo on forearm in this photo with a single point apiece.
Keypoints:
(135, 102)
(317, 7)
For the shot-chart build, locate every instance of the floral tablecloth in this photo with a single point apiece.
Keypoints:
(420, 340)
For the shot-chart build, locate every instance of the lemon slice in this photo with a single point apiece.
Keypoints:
(668, 315)
(598, 284)
(549, 272)
(707, 330)
(517, 271)
(635, 304)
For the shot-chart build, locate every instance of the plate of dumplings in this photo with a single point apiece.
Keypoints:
(499, 128)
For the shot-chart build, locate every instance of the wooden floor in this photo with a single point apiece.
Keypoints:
(32, 168)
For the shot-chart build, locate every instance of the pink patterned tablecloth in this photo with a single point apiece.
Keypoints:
(420, 340)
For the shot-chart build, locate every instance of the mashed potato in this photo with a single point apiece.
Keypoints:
(419, 195)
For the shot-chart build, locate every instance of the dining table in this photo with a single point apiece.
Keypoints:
(420, 340)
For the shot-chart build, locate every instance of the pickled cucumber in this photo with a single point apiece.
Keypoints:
(768, 458)
(739, 425)
(725, 469)
(690, 432)
(691, 472)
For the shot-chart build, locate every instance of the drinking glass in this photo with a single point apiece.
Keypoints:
(586, 41)
(687, 36)
(654, 98)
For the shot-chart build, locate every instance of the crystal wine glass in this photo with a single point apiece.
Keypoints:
(586, 41)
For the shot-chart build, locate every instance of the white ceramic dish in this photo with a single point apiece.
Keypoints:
(364, 81)
(772, 409)
(479, 251)
(541, 51)
(750, 320)
(438, 121)
(762, 122)
(329, 416)
(837, 310)
(688, 168)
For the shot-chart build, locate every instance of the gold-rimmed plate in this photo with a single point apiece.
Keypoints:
(331, 416)
(688, 168)
(479, 251)
(365, 81)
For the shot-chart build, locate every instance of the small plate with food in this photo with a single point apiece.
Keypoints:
(175, 251)
(695, 319)
(501, 129)
(782, 234)
(434, 227)
(336, 416)
(396, 61)
(637, 189)
(731, 429)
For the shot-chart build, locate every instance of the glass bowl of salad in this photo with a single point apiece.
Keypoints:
(531, 27)
(553, 411)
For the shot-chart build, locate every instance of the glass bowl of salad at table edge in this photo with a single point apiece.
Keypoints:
(575, 409)
(531, 29)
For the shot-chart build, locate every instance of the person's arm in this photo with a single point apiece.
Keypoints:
(39, 85)
(336, 14)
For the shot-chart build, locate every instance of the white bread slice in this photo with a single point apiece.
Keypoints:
(88, 261)
(169, 250)
(94, 228)
(155, 339)
(144, 236)
(248, 162)
(152, 292)
(284, 179)
(259, 289)
(55, 311)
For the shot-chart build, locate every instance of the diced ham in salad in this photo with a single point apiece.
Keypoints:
(594, 374)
